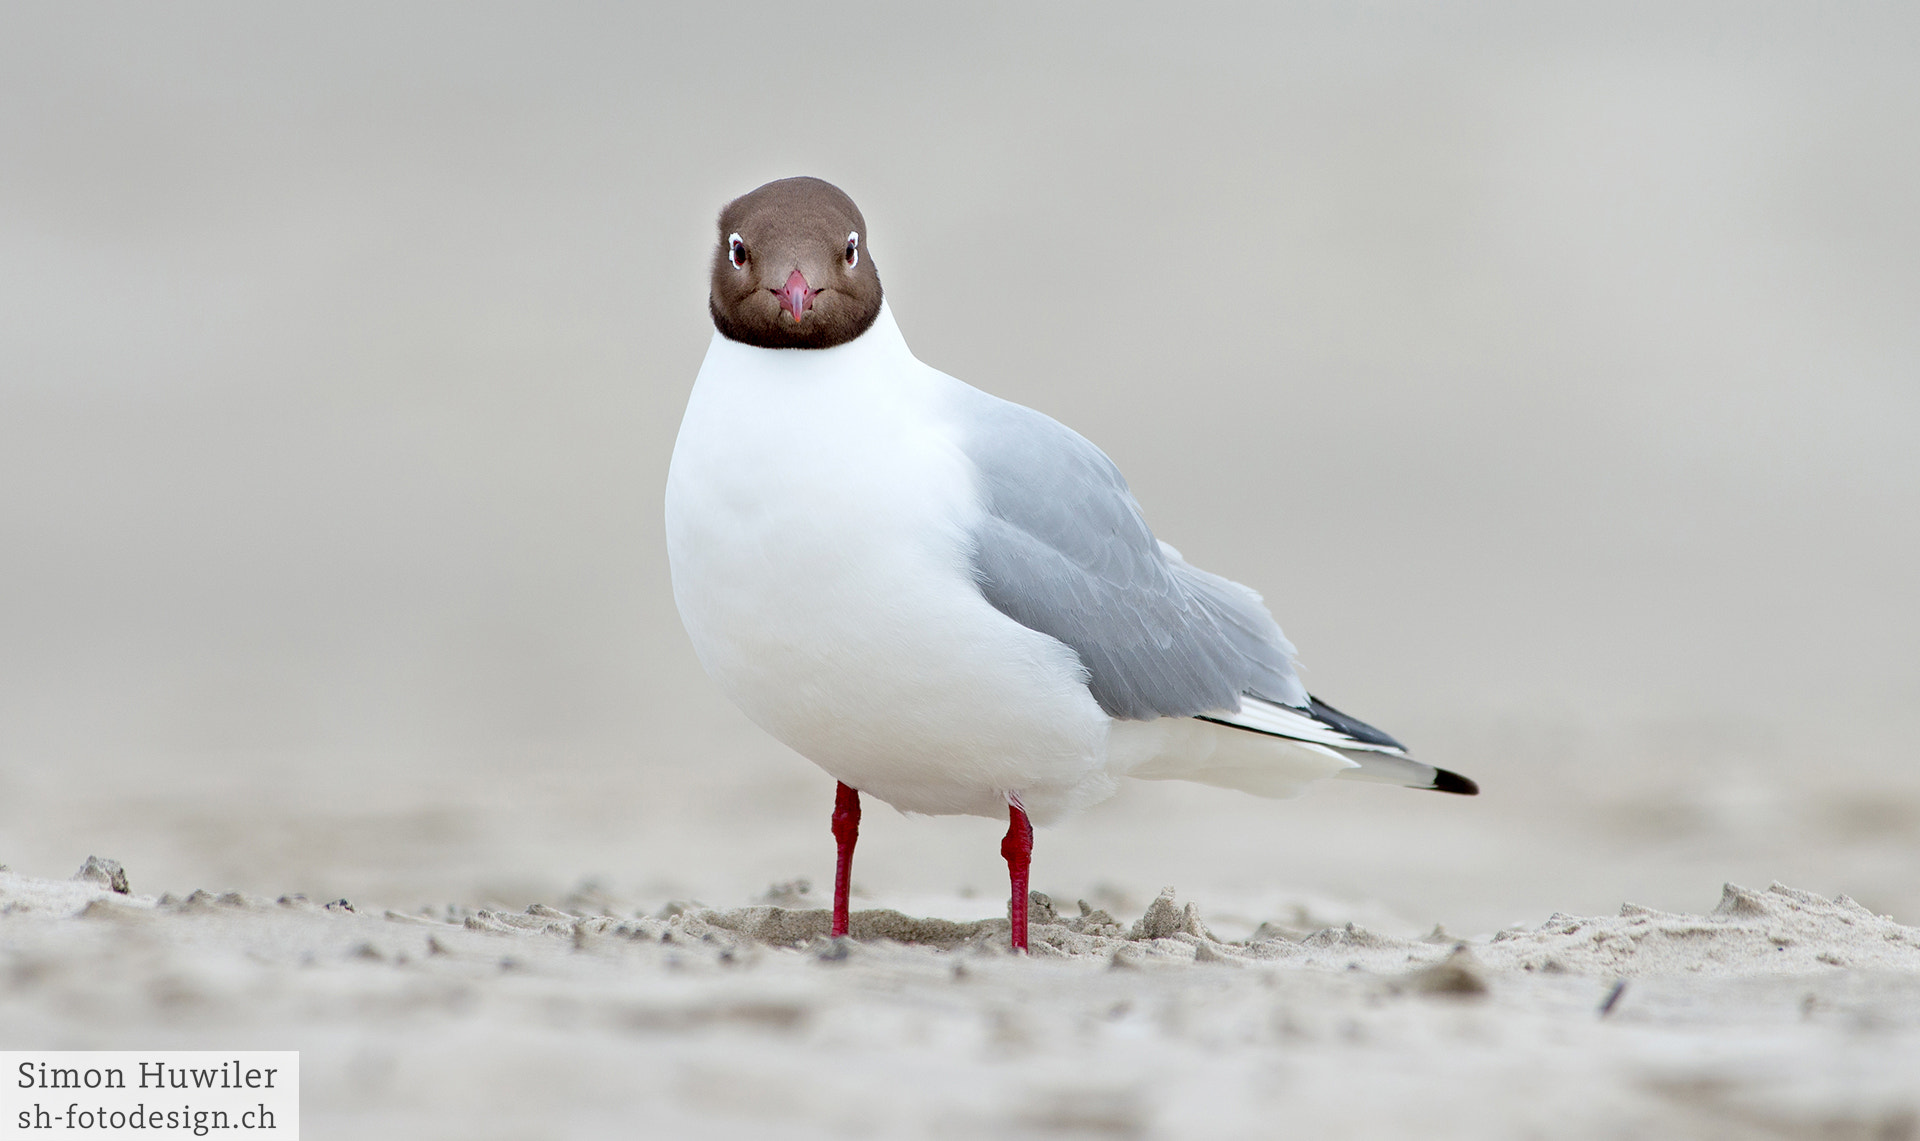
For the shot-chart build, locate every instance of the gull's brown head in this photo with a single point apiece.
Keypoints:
(792, 269)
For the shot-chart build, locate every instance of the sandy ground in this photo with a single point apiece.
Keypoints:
(1550, 369)
(561, 947)
(1776, 1014)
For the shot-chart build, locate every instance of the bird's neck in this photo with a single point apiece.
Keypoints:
(877, 348)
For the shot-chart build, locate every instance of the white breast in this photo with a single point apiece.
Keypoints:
(818, 518)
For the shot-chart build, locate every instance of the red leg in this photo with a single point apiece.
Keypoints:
(1018, 850)
(846, 830)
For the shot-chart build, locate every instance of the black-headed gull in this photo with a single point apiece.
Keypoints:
(944, 599)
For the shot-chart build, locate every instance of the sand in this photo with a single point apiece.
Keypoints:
(1777, 1013)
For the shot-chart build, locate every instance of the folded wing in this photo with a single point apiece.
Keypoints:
(1063, 549)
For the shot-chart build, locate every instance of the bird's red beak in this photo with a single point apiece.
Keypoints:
(794, 296)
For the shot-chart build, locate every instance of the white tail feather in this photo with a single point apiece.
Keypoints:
(1294, 724)
(1385, 764)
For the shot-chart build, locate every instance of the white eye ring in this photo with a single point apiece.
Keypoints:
(736, 251)
(853, 248)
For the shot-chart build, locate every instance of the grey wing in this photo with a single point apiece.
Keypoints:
(1064, 550)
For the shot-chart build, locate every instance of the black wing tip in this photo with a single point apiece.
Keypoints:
(1352, 726)
(1446, 780)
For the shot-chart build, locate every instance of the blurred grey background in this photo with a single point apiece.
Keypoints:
(1551, 369)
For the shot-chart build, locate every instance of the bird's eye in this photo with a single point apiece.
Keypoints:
(736, 251)
(853, 249)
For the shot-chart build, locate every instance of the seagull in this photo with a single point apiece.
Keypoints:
(946, 600)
